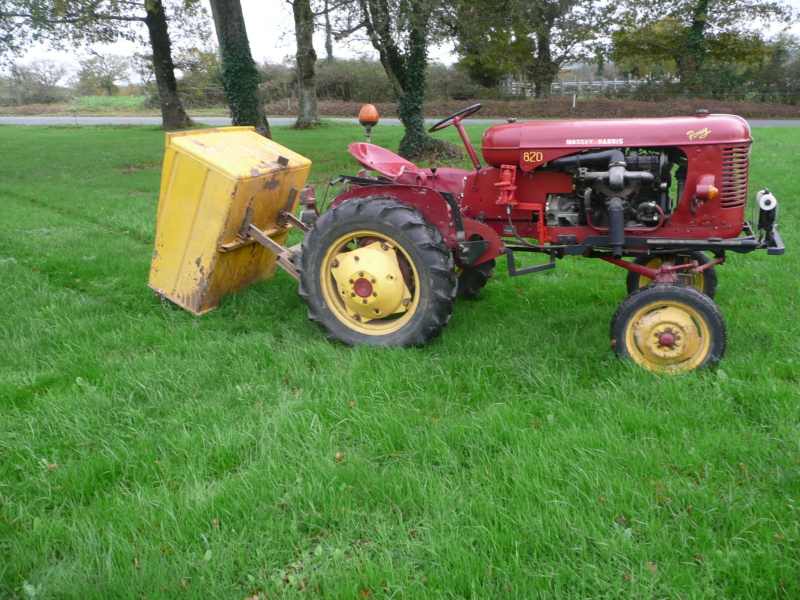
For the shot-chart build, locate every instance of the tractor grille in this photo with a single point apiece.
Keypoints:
(734, 176)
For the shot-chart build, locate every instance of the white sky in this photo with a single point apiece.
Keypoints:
(270, 30)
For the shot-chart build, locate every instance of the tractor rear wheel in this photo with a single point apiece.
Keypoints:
(705, 281)
(471, 280)
(374, 272)
(669, 328)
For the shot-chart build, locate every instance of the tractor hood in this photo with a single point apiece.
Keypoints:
(532, 143)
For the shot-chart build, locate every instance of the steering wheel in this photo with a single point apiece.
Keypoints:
(463, 113)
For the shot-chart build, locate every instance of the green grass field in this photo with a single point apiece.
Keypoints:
(148, 453)
(102, 105)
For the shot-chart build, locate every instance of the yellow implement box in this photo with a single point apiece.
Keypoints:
(209, 179)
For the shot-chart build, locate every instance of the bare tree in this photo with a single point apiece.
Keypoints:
(86, 21)
(48, 73)
(102, 72)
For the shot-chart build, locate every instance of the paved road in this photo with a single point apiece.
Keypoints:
(223, 121)
(213, 121)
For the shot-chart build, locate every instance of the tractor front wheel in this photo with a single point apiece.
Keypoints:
(705, 280)
(374, 272)
(669, 328)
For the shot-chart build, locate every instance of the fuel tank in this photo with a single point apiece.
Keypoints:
(529, 144)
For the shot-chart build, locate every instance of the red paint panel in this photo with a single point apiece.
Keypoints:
(507, 143)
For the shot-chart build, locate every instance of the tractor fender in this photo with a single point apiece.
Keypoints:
(439, 211)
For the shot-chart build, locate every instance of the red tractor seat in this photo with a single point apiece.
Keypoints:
(383, 161)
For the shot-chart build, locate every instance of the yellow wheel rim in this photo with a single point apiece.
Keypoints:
(668, 337)
(368, 281)
(696, 280)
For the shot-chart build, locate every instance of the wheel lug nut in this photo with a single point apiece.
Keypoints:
(355, 258)
(374, 295)
(351, 281)
(335, 263)
(364, 301)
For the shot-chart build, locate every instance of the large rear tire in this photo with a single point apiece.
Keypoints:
(705, 281)
(374, 272)
(669, 328)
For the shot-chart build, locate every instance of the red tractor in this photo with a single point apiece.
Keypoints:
(662, 198)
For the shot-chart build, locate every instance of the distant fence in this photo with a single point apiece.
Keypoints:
(523, 89)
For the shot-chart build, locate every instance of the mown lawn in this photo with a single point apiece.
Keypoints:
(145, 452)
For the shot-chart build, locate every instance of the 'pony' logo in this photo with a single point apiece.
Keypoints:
(698, 135)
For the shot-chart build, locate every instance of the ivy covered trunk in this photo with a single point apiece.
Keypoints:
(692, 52)
(415, 142)
(306, 59)
(543, 70)
(173, 116)
(239, 73)
(406, 67)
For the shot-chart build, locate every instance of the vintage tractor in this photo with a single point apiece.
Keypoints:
(383, 264)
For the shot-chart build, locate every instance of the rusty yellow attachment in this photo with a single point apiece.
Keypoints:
(208, 180)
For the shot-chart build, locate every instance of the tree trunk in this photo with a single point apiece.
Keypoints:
(543, 70)
(239, 73)
(413, 79)
(407, 73)
(172, 114)
(328, 34)
(692, 53)
(306, 60)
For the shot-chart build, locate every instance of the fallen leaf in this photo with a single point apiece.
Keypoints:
(135, 562)
(627, 577)
(651, 567)
(779, 537)
(185, 585)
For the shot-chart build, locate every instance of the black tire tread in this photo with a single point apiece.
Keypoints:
(627, 307)
(437, 259)
(472, 280)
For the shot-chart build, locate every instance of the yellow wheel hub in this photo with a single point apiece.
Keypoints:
(668, 337)
(364, 284)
